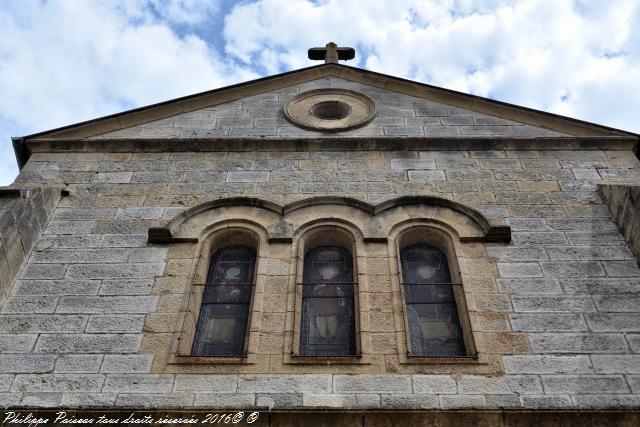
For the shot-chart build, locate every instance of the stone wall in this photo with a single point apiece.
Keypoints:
(24, 213)
(623, 202)
(95, 302)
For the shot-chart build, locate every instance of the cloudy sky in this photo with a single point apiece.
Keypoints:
(65, 61)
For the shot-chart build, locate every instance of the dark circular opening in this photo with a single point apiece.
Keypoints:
(330, 110)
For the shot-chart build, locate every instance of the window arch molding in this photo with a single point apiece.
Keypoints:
(214, 238)
(445, 238)
(314, 234)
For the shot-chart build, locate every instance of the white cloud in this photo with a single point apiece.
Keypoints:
(63, 62)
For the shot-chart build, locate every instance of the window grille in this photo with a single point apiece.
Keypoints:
(432, 315)
(226, 300)
(328, 307)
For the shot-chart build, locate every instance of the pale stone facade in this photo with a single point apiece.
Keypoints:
(95, 315)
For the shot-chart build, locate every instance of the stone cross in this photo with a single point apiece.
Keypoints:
(331, 53)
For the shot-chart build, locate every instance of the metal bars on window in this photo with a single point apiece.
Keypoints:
(328, 305)
(225, 303)
(430, 300)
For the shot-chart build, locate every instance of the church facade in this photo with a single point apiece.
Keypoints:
(329, 244)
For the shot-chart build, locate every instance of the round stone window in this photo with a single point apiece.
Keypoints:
(330, 110)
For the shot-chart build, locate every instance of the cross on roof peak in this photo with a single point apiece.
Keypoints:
(331, 53)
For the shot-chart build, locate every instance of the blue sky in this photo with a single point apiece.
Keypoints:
(62, 62)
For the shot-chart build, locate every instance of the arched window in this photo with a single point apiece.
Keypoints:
(226, 300)
(328, 322)
(431, 302)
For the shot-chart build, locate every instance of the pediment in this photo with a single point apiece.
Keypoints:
(255, 110)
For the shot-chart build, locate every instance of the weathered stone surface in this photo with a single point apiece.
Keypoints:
(578, 343)
(16, 343)
(534, 364)
(134, 363)
(78, 363)
(107, 304)
(206, 383)
(17, 324)
(138, 383)
(372, 384)
(225, 400)
(284, 383)
(585, 384)
(26, 363)
(58, 382)
(88, 343)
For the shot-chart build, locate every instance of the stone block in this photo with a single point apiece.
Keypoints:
(584, 384)
(126, 287)
(155, 400)
(627, 303)
(413, 164)
(58, 383)
(115, 324)
(30, 304)
(535, 364)
(80, 256)
(41, 400)
(88, 343)
(600, 286)
(77, 214)
(529, 286)
(612, 252)
(247, 176)
(107, 304)
(206, 383)
(78, 363)
(462, 401)
(546, 402)
(56, 287)
(614, 322)
(267, 383)
(115, 271)
(409, 401)
(622, 268)
(16, 343)
(45, 323)
(138, 383)
(372, 383)
(519, 269)
(69, 227)
(616, 364)
(578, 343)
(538, 238)
(43, 271)
(88, 400)
(572, 269)
(26, 363)
(426, 176)
(225, 400)
(552, 303)
(280, 400)
(434, 384)
(547, 322)
(148, 254)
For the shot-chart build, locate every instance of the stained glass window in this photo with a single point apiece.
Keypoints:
(434, 327)
(328, 315)
(224, 313)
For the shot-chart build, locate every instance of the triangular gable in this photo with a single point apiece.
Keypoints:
(525, 122)
(397, 115)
